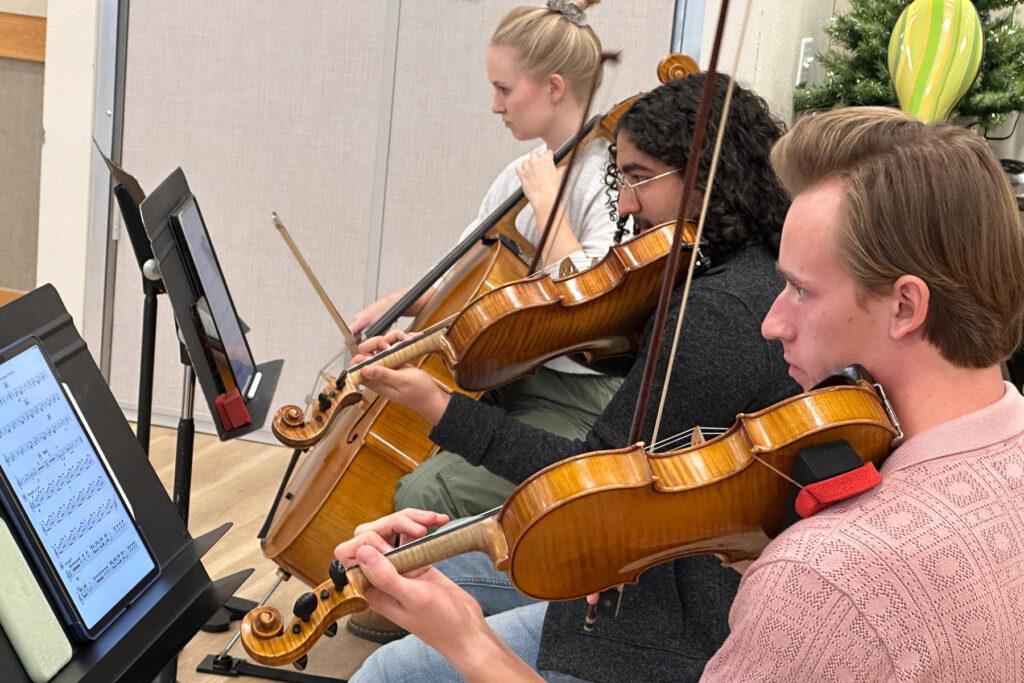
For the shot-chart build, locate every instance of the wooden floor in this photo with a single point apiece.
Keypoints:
(235, 481)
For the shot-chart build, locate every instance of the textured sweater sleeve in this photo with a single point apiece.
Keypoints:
(720, 334)
(790, 624)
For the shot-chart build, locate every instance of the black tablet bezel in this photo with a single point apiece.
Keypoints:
(195, 279)
(33, 545)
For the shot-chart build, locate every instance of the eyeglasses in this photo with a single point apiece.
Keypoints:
(621, 182)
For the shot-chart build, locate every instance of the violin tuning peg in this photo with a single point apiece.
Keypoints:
(301, 662)
(332, 630)
(336, 570)
(324, 402)
(304, 607)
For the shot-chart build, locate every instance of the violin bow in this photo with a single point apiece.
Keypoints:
(672, 267)
(713, 167)
(563, 183)
(351, 343)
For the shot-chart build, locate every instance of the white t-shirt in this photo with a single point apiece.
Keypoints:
(586, 209)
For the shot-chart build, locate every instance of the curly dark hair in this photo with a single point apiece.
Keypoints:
(748, 204)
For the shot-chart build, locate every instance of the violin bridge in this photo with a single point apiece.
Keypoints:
(697, 436)
(567, 268)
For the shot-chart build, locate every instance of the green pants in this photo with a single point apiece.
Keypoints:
(558, 402)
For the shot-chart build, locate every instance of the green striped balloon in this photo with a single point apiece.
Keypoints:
(934, 56)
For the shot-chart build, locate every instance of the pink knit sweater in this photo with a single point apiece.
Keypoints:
(921, 578)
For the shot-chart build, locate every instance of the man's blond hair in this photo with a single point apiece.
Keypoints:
(926, 200)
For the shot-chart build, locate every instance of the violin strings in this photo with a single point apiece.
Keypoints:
(779, 472)
(673, 439)
(391, 350)
(716, 154)
(712, 431)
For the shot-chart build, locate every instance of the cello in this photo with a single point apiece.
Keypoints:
(351, 473)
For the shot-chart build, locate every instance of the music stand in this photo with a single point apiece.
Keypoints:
(178, 269)
(143, 639)
(129, 196)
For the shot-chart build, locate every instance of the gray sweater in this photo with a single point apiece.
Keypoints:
(676, 617)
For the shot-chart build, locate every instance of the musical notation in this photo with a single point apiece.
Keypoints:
(38, 496)
(69, 539)
(46, 458)
(73, 503)
(86, 588)
(22, 389)
(25, 417)
(95, 547)
(11, 457)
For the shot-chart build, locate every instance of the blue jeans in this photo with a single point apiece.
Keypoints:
(516, 619)
(475, 574)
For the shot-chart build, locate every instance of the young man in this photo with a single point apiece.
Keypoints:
(675, 618)
(902, 251)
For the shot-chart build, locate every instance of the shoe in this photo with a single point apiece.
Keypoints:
(370, 625)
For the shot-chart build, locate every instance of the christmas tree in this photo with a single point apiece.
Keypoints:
(856, 71)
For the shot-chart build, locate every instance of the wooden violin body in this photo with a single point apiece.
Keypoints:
(598, 312)
(601, 519)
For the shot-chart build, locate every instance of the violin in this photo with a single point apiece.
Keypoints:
(601, 519)
(513, 329)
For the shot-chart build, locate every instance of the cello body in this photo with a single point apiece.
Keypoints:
(350, 476)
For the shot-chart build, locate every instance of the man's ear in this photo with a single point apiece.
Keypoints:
(556, 88)
(911, 297)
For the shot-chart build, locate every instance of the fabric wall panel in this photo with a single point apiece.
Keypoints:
(266, 106)
(21, 139)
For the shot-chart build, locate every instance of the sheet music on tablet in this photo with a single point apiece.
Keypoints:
(64, 490)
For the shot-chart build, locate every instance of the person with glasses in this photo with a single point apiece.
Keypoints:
(675, 618)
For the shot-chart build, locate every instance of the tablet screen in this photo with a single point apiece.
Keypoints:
(225, 335)
(65, 492)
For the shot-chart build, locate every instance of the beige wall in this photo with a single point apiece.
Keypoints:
(35, 8)
(21, 139)
(770, 48)
(267, 108)
(289, 112)
(67, 153)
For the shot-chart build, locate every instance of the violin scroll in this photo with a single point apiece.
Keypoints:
(267, 638)
(291, 427)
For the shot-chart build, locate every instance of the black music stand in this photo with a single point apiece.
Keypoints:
(149, 634)
(129, 196)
